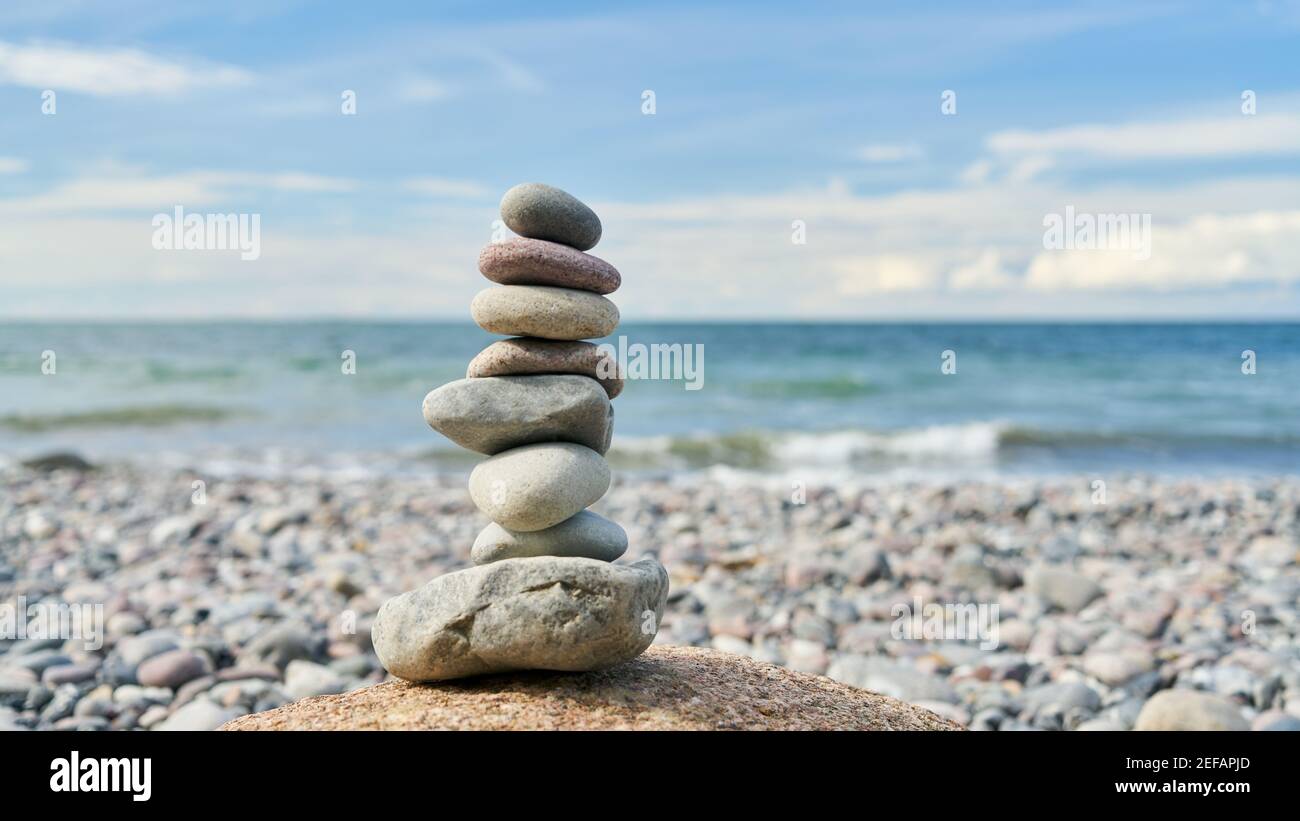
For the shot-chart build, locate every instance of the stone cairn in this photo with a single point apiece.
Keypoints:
(544, 592)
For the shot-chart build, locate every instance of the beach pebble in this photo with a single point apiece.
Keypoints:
(897, 679)
(543, 311)
(81, 724)
(496, 413)
(129, 696)
(1115, 668)
(1061, 587)
(541, 211)
(1276, 721)
(38, 526)
(1062, 697)
(198, 715)
(523, 261)
(136, 649)
(526, 355)
(173, 668)
(14, 686)
(153, 716)
(70, 673)
(303, 679)
(61, 705)
(281, 644)
(544, 613)
(584, 534)
(1190, 710)
(538, 486)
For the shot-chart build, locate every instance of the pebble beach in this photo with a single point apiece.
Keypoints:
(1170, 602)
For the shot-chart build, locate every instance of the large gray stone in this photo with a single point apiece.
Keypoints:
(543, 613)
(586, 535)
(537, 486)
(539, 310)
(497, 413)
(540, 211)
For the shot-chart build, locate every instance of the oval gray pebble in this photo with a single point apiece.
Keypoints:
(585, 535)
(541, 211)
(537, 486)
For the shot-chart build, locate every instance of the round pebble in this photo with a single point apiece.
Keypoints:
(526, 355)
(538, 486)
(538, 310)
(523, 261)
(540, 211)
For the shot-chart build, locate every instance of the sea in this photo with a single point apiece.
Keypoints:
(868, 399)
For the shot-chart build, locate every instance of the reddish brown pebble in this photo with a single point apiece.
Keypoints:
(527, 355)
(523, 261)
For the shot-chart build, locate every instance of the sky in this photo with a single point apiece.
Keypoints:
(835, 161)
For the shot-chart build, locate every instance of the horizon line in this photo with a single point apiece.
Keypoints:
(764, 320)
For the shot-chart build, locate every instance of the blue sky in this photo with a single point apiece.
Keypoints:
(766, 114)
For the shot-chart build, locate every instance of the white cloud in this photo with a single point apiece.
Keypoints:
(985, 273)
(124, 191)
(965, 251)
(446, 188)
(882, 274)
(108, 72)
(422, 89)
(1207, 251)
(1227, 136)
(888, 153)
(977, 173)
(12, 165)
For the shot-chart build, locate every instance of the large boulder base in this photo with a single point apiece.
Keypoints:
(539, 613)
(665, 688)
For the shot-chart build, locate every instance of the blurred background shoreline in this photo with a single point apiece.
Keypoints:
(825, 401)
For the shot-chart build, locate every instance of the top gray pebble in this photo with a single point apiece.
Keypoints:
(538, 211)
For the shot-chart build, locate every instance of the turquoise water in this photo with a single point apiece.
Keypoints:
(865, 397)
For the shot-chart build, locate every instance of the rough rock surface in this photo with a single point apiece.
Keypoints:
(541, 211)
(539, 310)
(526, 355)
(523, 261)
(501, 412)
(542, 613)
(585, 534)
(665, 688)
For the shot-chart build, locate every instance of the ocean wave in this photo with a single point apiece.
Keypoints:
(970, 443)
(844, 387)
(134, 416)
(771, 449)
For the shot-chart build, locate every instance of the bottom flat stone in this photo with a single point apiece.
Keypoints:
(542, 613)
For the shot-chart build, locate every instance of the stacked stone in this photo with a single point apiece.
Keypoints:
(544, 593)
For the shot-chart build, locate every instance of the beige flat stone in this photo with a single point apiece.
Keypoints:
(525, 355)
(538, 310)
